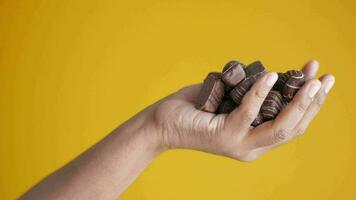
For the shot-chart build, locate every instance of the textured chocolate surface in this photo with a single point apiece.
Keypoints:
(240, 90)
(291, 73)
(233, 73)
(259, 120)
(281, 81)
(283, 78)
(227, 88)
(254, 69)
(272, 105)
(293, 84)
(211, 93)
(223, 92)
(232, 63)
(227, 106)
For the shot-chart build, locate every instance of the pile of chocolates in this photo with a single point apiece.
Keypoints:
(223, 91)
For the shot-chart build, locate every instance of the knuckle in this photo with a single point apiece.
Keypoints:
(254, 96)
(248, 115)
(302, 106)
(260, 93)
(281, 135)
(319, 101)
(300, 131)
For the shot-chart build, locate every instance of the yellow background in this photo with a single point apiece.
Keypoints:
(71, 71)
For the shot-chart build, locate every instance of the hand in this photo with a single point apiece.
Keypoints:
(181, 125)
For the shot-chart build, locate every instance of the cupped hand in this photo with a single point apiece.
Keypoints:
(181, 125)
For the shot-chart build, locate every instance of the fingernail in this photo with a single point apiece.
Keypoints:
(329, 84)
(271, 79)
(313, 89)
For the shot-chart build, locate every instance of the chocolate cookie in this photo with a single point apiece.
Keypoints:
(211, 93)
(233, 73)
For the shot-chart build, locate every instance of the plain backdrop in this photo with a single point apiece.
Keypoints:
(71, 71)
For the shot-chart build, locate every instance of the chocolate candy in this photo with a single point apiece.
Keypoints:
(293, 84)
(211, 93)
(240, 90)
(227, 106)
(233, 73)
(227, 88)
(223, 92)
(272, 105)
(258, 120)
(281, 81)
(254, 69)
(283, 78)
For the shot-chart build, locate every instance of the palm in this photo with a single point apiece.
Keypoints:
(177, 113)
(184, 126)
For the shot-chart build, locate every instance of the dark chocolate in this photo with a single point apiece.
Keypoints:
(211, 93)
(233, 73)
(223, 92)
(272, 105)
(281, 81)
(227, 106)
(254, 69)
(241, 89)
(259, 120)
(296, 80)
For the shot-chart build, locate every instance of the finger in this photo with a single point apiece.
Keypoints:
(310, 69)
(294, 111)
(281, 129)
(242, 117)
(327, 82)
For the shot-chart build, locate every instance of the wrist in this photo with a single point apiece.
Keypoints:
(144, 131)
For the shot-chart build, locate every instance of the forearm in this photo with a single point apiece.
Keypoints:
(106, 169)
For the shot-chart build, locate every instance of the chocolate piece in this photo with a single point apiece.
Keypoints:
(227, 106)
(211, 93)
(283, 78)
(227, 88)
(272, 105)
(291, 73)
(232, 63)
(284, 103)
(233, 73)
(293, 84)
(223, 92)
(258, 120)
(281, 81)
(254, 68)
(240, 90)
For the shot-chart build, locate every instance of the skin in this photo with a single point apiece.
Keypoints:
(105, 170)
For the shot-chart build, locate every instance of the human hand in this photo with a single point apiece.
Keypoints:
(180, 125)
